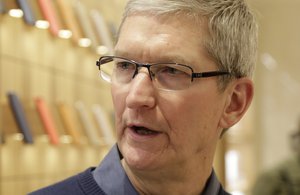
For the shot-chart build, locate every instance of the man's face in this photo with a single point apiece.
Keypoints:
(156, 128)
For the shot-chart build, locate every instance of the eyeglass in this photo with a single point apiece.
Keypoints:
(167, 76)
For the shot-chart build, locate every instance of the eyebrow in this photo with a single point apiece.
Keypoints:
(163, 58)
(175, 59)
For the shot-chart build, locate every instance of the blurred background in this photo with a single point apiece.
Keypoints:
(56, 114)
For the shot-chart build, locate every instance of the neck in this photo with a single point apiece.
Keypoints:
(179, 180)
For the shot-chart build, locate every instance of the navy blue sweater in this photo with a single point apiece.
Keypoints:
(109, 178)
(81, 184)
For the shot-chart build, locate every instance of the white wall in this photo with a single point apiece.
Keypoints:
(277, 78)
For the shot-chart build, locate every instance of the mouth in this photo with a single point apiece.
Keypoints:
(143, 131)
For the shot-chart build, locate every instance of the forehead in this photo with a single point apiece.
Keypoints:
(151, 38)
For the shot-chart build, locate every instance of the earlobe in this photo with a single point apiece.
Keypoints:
(239, 98)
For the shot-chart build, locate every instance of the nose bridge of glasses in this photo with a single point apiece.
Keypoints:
(139, 66)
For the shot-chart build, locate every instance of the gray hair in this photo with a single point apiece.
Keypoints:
(232, 29)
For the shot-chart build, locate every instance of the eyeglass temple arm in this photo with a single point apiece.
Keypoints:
(209, 74)
(103, 60)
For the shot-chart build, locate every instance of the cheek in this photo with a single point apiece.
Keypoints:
(192, 119)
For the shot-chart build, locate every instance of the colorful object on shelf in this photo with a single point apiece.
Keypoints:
(88, 125)
(2, 7)
(47, 120)
(63, 32)
(40, 21)
(103, 33)
(50, 15)
(20, 117)
(85, 24)
(68, 14)
(69, 122)
(104, 124)
(28, 15)
(12, 8)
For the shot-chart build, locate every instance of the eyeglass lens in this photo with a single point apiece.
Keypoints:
(169, 76)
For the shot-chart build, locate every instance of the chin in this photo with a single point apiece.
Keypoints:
(140, 159)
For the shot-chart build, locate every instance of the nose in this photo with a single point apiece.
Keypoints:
(141, 92)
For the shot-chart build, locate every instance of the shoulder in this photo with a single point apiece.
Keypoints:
(80, 184)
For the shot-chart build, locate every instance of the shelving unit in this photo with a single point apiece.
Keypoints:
(36, 64)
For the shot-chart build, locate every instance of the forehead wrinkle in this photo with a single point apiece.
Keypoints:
(140, 47)
(148, 49)
(145, 53)
(154, 58)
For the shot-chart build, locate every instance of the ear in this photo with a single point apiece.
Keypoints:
(240, 93)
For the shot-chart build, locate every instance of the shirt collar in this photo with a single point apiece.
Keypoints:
(112, 179)
(212, 186)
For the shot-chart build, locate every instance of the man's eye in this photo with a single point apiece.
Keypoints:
(171, 70)
(125, 66)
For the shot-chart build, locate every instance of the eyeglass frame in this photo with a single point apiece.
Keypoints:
(147, 65)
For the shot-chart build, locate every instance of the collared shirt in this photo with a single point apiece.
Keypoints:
(112, 179)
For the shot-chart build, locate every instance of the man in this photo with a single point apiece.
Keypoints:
(180, 75)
